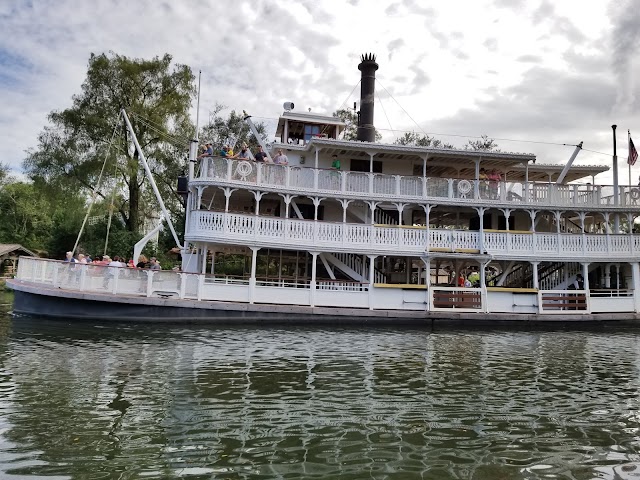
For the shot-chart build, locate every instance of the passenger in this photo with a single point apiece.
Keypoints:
(223, 151)
(280, 158)
(243, 154)
(69, 258)
(143, 262)
(208, 152)
(494, 181)
(335, 165)
(260, 155)
(154, 264)
(484, 187)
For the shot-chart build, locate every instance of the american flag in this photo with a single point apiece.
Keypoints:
(633, 153)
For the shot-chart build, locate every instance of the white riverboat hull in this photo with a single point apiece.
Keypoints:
(46, 301)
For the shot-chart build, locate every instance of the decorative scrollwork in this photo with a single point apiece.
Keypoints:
(243, 169)
(464, 187)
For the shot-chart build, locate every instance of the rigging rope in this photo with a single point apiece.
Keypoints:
(95, 193)
(386, 116)
(113, 195)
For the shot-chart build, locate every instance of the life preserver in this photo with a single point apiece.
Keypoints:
(634, 193)
(244, 168)
(464, 186)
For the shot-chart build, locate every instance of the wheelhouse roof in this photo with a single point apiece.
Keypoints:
(454, 163)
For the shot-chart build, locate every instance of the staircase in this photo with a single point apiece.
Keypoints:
(353, 266)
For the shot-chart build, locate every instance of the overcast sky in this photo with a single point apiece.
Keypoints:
(531, 70)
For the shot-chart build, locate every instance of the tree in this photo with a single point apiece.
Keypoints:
(415, 139)
(350, 117)
(231, 130)
(72, 149)
(25, 215)
(484, 143)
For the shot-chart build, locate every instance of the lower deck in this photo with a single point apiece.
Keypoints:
(339, 297)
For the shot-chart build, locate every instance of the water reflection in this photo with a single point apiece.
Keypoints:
(85, 400)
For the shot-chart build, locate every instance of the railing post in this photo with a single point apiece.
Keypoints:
(259, 173)
(200, 286)
(287, 180)
(83, 276)
(398, 192)
(370, 176)
(316, 172)
(343, 182)
(150, 274)
(183, 284)
(229, 169)
(450, 188)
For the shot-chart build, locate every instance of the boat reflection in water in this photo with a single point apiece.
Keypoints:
(85, 400)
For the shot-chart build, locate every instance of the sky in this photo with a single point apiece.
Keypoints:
(528, 73)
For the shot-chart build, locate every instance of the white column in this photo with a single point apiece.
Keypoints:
(312, 284)
(371, 279)
(635, 275)
(204, 259)
(536, 283)
(252, 279)
(607, 275)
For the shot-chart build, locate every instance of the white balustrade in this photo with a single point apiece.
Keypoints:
(295, 178)
(222, 227)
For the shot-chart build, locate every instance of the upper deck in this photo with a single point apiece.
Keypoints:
(311, 181)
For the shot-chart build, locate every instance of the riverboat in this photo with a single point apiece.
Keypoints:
(394, 233)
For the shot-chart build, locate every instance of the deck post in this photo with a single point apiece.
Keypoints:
(372, 259)
(536, 281)
(635, 279)
(312, 284)
(252, 279)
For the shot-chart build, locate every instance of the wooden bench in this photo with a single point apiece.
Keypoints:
(570, 301)
(457, 300)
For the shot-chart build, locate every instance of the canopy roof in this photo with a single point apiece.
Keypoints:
(9, 248)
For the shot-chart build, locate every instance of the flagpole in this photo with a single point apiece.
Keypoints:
(616, 193)
(629, 163)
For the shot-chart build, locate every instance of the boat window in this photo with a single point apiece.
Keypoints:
(310, 131)
(363, 166)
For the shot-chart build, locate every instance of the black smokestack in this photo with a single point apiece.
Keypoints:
(368, 67)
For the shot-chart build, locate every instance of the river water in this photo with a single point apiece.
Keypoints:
(89, 401)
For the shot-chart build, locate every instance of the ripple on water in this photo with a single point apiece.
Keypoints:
(88, 401)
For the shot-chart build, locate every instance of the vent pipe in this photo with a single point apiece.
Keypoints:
(368, 67)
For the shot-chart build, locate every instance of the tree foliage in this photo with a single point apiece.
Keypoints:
(483, 143)
(230, 130)
(350, 117)
(72, 149)
(417, 140)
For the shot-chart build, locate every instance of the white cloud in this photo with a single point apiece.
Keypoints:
(508, 68)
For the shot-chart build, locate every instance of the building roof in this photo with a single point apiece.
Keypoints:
(6, 248)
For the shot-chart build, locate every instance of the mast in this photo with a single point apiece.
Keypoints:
(143, 159)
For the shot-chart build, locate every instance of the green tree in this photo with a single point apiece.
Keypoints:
(72, 149)
(230, 130)
(484, 143)
(415, 139)
(350, 118)
(25, 215)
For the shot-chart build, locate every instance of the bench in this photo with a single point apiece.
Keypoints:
(571, 301)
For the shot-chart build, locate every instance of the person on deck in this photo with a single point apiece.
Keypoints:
(208, 151)
(280, 158)
(260, 155)
(335, 165)
(243, 154)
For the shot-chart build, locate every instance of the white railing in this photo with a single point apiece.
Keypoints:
(294, 178)
(362, 238)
